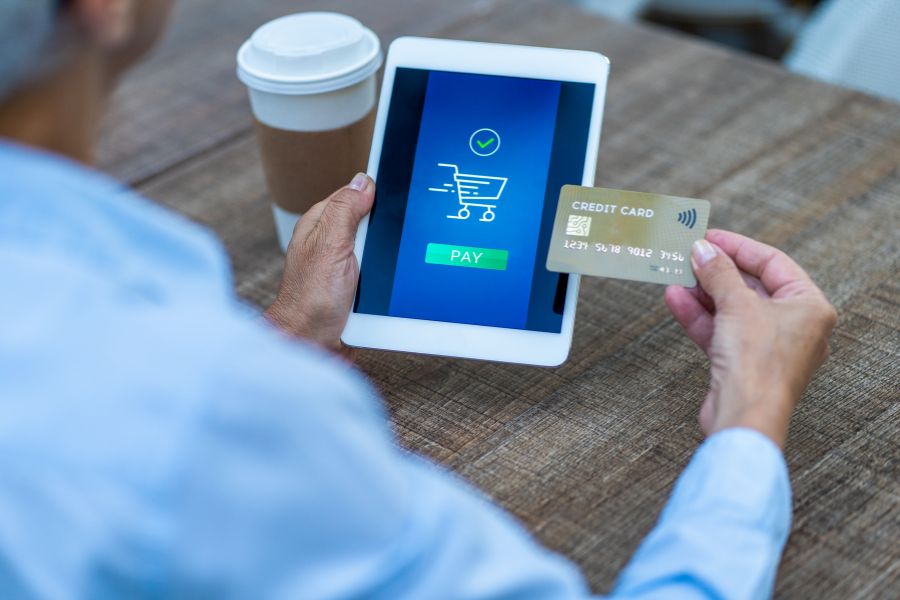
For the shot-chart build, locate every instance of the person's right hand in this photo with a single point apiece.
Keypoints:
(320, 271)
(764, 325)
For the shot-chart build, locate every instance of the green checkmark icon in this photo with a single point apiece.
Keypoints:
(484, 142)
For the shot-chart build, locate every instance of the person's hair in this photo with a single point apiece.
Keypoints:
(26, 28)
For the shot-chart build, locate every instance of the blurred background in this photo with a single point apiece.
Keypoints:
(854, 43)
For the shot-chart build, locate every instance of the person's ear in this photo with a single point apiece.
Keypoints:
(108, 23)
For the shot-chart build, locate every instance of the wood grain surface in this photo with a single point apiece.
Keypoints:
(585, 455)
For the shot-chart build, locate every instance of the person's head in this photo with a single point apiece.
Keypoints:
(39, 37)
(85, 43)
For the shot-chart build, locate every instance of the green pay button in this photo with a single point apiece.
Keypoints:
(466, 256)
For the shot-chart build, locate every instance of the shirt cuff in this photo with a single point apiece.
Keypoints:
(742, 471)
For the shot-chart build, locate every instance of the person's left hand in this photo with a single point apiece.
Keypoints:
(321, 271)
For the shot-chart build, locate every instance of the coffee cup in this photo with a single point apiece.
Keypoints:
(311, 81)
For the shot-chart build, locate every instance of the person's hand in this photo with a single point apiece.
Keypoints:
(764, 325)
(321, 271)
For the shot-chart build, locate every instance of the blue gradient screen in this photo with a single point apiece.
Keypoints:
(468, 181)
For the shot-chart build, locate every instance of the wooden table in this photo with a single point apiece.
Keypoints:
(586, 454)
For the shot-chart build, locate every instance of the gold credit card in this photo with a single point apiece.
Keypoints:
(626, 235)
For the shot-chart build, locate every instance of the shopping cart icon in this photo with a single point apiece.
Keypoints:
(481, 191)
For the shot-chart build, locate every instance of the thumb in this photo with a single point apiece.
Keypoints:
(346, 207)
(715, 271)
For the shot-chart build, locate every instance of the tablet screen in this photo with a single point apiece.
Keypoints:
(468, 181)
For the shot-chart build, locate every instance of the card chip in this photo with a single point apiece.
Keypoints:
(578, 226)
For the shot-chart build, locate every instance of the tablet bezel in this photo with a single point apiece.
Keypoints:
(458, 339)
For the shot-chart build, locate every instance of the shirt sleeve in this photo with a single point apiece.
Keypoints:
(723, 529)
(294, 487)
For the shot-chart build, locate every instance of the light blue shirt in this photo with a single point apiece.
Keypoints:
(158, 439)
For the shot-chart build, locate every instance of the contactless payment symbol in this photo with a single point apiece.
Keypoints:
(578, 226)
(484, 142)
(688, 218)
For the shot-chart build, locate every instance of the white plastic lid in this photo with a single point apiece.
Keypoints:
(308, 53)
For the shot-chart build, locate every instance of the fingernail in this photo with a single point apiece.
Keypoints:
(360, 182)
(703, 252)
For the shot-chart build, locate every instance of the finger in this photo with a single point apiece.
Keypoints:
(779, 274)
(696, 320)
(308, 220)
(307, 223)
(703, 298)
(755, 284)
(346, 208)
(716, 273)
(707, 416)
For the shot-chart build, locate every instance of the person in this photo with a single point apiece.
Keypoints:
(160, 440)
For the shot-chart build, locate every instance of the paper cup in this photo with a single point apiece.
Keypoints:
(311, 80)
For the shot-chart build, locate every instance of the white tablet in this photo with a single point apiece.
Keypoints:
(472, 144)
